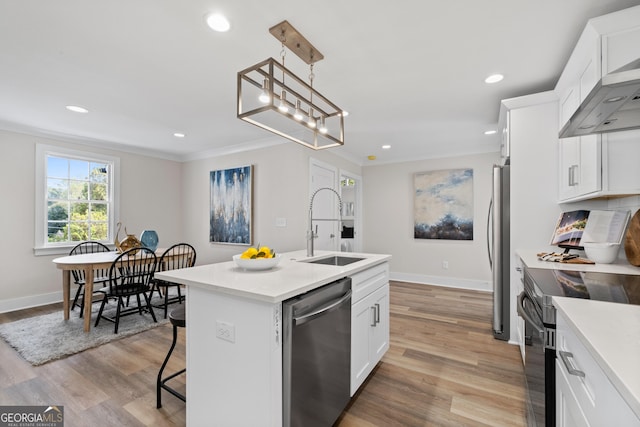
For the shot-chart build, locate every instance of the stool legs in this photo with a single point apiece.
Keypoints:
(160, 384)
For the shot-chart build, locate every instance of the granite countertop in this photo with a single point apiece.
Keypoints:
(613, 339)
(288, 279)
(530, 258)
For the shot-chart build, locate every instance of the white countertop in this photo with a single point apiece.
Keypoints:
(288, 279)
(612, 337)
(619, 267)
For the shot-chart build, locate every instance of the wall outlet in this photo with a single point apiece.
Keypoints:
(225, 331)
(281, 222)
(445, 265)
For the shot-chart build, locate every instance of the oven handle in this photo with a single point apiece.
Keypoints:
(523, 313)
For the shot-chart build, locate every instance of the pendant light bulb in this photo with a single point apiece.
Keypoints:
(323, 127)
(264, 97)
(298, 113)
(283, 107)
(312, 120)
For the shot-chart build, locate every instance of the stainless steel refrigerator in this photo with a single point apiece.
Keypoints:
(498, 237)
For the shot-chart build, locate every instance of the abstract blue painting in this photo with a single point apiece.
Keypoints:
(443, 204)
(230, 216)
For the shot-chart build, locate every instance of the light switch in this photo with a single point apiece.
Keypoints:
(281, 222)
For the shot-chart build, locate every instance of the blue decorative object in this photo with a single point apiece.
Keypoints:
(149, 239)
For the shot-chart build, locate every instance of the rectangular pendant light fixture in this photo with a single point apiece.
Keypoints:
(273, 98)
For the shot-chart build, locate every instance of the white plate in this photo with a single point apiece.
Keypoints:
(257, 263)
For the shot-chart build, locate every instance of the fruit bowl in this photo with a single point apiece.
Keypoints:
(256, 263)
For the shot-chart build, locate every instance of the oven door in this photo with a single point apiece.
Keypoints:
(534, 362)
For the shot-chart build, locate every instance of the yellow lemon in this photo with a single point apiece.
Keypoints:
(265, 252)
(250, 253)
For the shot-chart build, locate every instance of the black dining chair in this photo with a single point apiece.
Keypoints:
(180, 255)
(100, 276)
(129, 275)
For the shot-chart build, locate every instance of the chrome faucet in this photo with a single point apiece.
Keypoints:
(310, 233)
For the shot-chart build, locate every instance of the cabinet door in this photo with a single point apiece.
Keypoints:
(568, 411)
(369, 334)
(590, 170)
(380, 328)
(362, 317)
(569, 162)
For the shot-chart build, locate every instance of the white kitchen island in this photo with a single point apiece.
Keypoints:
(234, 332)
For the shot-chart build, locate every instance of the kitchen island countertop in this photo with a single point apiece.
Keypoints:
(289, 278)
(612, 337)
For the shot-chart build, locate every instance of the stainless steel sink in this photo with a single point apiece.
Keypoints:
(335, 260)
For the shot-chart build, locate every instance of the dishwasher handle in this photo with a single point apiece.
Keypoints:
(332, 305)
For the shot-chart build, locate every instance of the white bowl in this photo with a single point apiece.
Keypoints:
(601, 253)
(257, 263)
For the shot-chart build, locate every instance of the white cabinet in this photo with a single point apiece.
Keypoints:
(584, 394)
(599, 166)
(580, 162)
(607, 43)
(369, 322)
(588, 165)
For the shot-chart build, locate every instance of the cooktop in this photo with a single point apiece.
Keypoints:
(620, 288)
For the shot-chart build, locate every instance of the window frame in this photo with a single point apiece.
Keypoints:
(41, 243)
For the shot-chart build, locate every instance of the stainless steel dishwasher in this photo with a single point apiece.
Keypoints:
(316, 359)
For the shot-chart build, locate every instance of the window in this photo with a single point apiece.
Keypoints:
(75, 202)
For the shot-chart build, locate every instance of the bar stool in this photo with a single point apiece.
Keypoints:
(177, 319)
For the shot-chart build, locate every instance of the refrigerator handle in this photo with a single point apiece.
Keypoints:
(489, 233)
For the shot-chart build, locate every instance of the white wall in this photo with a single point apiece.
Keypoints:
(280, 190)
(388, 224)
(150, 199)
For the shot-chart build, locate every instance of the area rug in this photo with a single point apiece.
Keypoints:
(41, 339)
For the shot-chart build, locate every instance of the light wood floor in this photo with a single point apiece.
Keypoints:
(443, 369)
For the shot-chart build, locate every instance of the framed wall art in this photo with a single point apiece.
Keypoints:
(230, 218)
(443, 204)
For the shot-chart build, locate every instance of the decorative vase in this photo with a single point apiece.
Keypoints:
(149, 238)
(130, 242)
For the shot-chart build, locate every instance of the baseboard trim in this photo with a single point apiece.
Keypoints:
(449, 282)
(29, 302)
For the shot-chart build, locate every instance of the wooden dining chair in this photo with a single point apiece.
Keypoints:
(130, 275)
(100, 276)
(180, 255)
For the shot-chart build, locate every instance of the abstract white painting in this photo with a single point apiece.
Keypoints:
(443, 204)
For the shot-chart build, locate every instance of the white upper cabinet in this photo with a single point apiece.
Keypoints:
(588, 165)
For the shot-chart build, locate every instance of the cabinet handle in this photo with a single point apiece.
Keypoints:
(374, 316)
(565, 355)
(570, 175)
(377, 313)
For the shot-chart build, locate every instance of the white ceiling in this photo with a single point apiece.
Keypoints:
(410, 72)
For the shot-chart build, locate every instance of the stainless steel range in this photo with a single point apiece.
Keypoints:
(535, 307)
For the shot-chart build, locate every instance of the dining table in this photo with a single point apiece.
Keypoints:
(89, 263)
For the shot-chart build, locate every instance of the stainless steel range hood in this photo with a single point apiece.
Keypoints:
(612, 105)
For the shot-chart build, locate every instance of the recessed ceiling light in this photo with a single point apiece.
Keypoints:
(490, 132)
(494, 78)
(386, 147)
(77, 109)
(345, 113)
(371, 157)
(218, 22)
(179, 135)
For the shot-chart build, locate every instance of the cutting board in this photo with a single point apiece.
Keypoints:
(632, 240)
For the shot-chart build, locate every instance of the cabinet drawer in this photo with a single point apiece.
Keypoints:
(365, 282)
